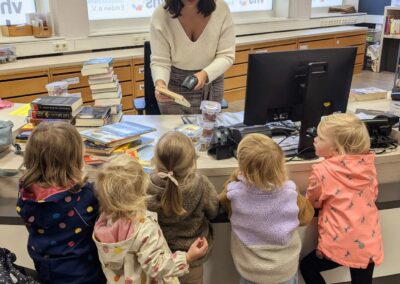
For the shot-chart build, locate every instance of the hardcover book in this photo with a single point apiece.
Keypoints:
(93, 116)
(53, 114)
(107, 95)
(98, 62)
(116, 134)
(96, 71)
(57, 103)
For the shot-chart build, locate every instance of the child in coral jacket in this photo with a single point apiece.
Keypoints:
(266, 211)
(131, 245)
(59, 207)
(344, 187)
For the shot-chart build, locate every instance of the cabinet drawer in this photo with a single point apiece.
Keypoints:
(360, 59)
(358, 68)
(350, 40)
(287, 47)
(26, 99)
(317, 44)
(360, 48)
(85, 93)
(138, 73)
(242, 56)
(139, 89)
(235, 82)
(127, 102)
(235, 95)
(126, 88)
(236, 70)
(75, 80)
(21, 87)
(123, 73)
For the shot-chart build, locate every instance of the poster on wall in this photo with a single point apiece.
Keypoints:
(326, 3)
(13, 12)
(124, 9)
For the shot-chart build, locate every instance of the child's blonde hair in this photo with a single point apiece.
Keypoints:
(261, 162)
(175, 160)
(54, 156)
(348, 132)
(121, 188)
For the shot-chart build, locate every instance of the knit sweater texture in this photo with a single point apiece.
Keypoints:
(213, 51)
(200, 202)
(265, 244)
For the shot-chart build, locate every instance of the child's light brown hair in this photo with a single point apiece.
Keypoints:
(261, 162)
(54, 156)
(348, 132)
(175, 157)
(121, 188)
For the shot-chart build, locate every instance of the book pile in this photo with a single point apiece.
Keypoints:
(120, 137)
(54, 108)
(24, 132)
(367, 94)
(104, 85)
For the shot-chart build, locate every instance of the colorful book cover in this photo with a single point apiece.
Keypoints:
(117, 133)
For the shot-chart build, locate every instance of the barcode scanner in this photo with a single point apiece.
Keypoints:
(190, 82)
(311, 132)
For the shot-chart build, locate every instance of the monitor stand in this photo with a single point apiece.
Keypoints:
(314, 106)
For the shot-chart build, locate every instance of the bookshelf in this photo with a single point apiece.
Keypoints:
(390, 40)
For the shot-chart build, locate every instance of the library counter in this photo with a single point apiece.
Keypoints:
(220, 268)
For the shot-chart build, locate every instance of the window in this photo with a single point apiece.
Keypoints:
(325, 3)
(124, 9)
(108, 16)
(13, 11)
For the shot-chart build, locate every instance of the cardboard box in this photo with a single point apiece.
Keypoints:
(42, 31)
(13, 30)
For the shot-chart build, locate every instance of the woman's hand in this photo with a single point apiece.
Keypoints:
(202, 79)
(198, 249)
(161, 97)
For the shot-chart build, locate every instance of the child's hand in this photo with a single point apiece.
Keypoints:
(198, 249)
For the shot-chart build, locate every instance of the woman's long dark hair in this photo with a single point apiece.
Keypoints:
(204, 7)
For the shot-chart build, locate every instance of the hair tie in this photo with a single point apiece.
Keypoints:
(169, 175)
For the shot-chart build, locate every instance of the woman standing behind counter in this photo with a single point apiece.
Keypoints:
(191, 37)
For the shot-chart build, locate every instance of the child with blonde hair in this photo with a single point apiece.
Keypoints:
(131, 245)
(59, 207)
(184, 199)
(265, 211)
(344, 187)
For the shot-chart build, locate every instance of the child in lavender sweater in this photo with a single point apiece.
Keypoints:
(266, 211)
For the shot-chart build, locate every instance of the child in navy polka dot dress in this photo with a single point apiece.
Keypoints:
(59, 207)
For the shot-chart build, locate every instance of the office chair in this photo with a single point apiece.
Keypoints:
(148, 103)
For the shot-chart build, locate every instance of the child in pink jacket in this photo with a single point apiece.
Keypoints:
(344, 187)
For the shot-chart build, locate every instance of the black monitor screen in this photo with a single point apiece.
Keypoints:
(277, 83)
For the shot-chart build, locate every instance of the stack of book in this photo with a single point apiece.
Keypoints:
(104, 84)
(115, 138)
(92, 116)
(54, 108)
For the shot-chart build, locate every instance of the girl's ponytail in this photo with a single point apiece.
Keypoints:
(172, 199)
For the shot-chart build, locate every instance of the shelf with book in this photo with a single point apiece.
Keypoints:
(390, 39)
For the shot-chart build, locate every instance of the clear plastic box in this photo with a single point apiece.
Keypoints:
(57, 88)
(210, 110)
(192, 131)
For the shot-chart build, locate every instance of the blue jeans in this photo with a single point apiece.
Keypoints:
(292, 280)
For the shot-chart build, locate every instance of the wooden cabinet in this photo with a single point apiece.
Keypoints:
(21, 86)
(24, 87)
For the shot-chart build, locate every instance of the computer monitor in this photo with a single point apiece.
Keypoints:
(300, 85)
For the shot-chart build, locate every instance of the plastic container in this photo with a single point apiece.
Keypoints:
(192, 131)
(57, 88)
(210, 110)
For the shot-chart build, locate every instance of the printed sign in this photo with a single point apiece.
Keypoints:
(123, 9)
(13, 11)
(326, 3)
